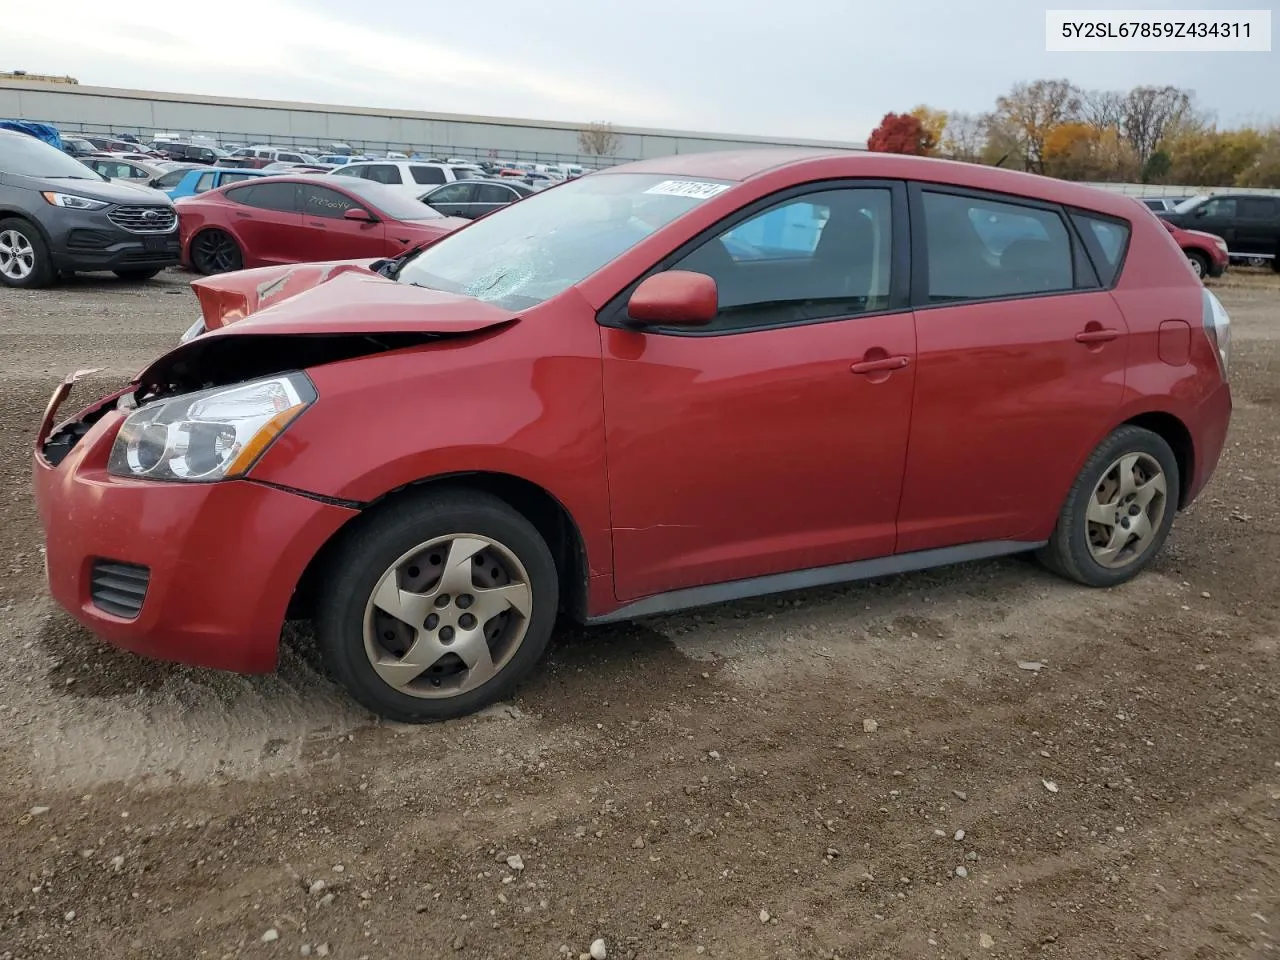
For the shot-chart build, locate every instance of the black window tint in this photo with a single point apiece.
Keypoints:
(983, 248)
(1256, 208)
(424, 175)
(268, 196)
(320, 201)
(205, 182)
(494, 193)
(1220, 207)
(171, 179)
(385, 173)
(291, 157)
(1107, 241)
(819, 256)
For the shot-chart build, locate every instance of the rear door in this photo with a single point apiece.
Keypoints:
(491, 196)
(267, 219)
(1021, 361)
(328, 236)
(1257, 227)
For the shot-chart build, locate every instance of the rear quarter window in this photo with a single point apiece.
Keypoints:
(1107, 241)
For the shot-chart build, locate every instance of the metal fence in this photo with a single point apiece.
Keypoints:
(1170, 190)
(311, 146)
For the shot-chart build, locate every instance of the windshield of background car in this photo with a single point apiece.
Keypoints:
(25, 156)
(1189, 204)
(532, 250)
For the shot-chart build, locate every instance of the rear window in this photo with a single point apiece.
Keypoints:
(1107, 240)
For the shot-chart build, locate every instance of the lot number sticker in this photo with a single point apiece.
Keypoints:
(693, 189)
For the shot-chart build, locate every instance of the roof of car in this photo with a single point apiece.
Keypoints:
(740, 165)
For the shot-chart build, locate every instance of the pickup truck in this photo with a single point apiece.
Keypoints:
(1248, 222)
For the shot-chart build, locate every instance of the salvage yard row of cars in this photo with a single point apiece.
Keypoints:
(448, 433)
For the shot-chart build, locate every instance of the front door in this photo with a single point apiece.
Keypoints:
(773, 439)
(328, 236)
(268, 221)
(1021, 361)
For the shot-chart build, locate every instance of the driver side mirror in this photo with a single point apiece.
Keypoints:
(1200, 211)
(675, 298)
(357, 214)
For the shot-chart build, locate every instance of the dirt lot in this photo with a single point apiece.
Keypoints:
(706, 784)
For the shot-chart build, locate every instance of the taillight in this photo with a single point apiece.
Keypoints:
(1217, 325)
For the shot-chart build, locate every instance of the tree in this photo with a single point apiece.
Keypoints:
(1213, 158)
(1156, 169)
(964, 137)
(1002, 145)
(598, 140)
(1149, 115)
(1030, 110)
(1103, 109)
(933, 121)
(1079, 151)
(1265, 170)
(900, 133)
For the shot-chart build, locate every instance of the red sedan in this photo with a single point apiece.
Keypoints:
(677, 382)
(1205, 252)
(298, 219)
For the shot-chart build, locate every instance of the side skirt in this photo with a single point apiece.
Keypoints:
(814, 577)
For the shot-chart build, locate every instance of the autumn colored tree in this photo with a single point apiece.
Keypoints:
(900, 133)
(1265, 169)
(933, 121)
(1028, 112)
(1211, 157)
(964, 137)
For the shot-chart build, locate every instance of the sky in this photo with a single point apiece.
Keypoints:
(820, 69)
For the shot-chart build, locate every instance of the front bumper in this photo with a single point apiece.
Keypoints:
(222, 559)
(89, 240)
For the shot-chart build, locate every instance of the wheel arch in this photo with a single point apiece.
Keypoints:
(14, 213)
(553, 521)
(1174, 432)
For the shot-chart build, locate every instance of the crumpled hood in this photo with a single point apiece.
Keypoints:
(344, 296)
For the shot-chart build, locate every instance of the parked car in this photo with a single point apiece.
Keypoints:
(78, 147)
(1249, 223)
(1206, 253)
(193, 180)
(584, 404)
(294, 219)
(196, 152)
(1159, 204)
(57, 216)
(132, 171)
(474, 198)
(408, 176)
(110, 144)
(285, 166)
(262, 156)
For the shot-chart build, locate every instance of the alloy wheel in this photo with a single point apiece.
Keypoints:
(1126, 510)
(215, 252)
(17, 255)
(1196, 267)
(447, 616)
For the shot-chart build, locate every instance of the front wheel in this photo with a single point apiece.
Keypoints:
(1118, 512)
(215, 251)
(24, 256)
(1199, 264)
(437, 606)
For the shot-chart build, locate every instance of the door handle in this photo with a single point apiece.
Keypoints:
(882, 364)
(1096, 336)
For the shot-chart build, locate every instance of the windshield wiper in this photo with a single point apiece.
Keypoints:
(391, 266)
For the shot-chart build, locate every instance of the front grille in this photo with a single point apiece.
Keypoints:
(118, 588)
(144, 219)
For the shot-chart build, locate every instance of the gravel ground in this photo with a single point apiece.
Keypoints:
(856, 772)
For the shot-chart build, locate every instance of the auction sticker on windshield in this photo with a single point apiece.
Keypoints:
(693, 189)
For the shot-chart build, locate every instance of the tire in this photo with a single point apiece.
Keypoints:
(24, 256)
(1199, 263)
(139, 275)
(215, 251)
(1075, 549)
(427, 544)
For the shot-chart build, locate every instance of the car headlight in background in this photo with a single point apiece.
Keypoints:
(72, 202)
(211, 435)
(1221, 244)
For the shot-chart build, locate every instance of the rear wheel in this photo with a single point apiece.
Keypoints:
(137, 276)
(24, 256)
(1118, 512)
(216, 251)
(1199, 263)
(438, 606)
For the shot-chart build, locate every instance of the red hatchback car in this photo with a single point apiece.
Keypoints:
(299, 219)
(1205, 252)
(671, 383)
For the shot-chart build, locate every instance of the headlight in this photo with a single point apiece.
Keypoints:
(72, 202)
(193, 331)
(1222, 244)
(211, 435)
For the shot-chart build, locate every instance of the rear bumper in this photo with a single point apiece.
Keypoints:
(221, 559)
(1208, 424)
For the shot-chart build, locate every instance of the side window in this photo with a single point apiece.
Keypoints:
(1256, 208)
(228, 178)
(384, 173)
(348, 171)
(291, 157)
(1220, 207)
(171, 179)
(320, 201)
(494, 193)
(980, 248)
(818, 257)
(453, 193)
(267, 196)
(204, 183)
(426, 175)
(1110, 238)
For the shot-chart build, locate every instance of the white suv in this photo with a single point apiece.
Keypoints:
(411, 176)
